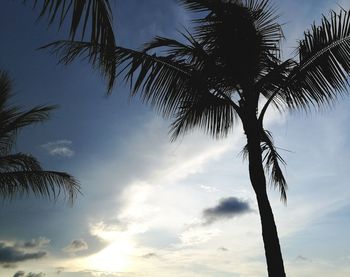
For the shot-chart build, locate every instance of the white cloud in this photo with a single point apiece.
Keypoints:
(208, 188)
(59, 148)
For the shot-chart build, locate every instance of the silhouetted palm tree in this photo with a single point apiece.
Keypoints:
(227, 65)
(21, 173)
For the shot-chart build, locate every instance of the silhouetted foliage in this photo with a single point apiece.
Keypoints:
(21, 173)
(229, 63)
(92, 17)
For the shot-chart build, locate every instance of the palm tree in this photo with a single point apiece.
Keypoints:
(229, 64)
(21, 173)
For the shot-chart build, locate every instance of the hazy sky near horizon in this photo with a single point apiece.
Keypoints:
(154, 208)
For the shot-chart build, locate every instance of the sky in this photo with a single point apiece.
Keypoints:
(150, 207)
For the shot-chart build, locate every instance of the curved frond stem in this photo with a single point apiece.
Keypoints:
(323, 51)
(267, 104)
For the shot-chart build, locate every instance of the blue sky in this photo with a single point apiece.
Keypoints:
(141, 212)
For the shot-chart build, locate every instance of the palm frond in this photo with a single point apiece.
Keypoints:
(273, 84)
(324, 66)
(80, 13)
(21, 173)
(19, 162)
(204, 110)
(48, 184)
(5, 88)
(272, 161)
(102, 58)
(93, 16)
(12, 119)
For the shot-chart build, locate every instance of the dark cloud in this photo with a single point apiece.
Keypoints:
(30, 274)
(11, 254)
(224, 249)
(150, 255)
(227, 208)
(76, 245)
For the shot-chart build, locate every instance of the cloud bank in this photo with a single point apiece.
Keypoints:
(12, 254)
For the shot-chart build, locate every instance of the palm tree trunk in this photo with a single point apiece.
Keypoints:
(257, 176)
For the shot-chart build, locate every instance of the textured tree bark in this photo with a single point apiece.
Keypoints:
(273, 253)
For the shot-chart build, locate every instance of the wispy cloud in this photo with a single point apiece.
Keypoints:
(59, 148)
(194, 236)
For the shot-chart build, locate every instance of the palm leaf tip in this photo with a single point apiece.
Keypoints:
(97, 13)
(103, 58)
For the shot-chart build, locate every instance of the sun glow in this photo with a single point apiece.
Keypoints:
(116, 256)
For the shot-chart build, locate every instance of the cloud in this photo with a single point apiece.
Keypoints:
(59, 148)
(76, 246)
(34, 243)
(9, 266)
(209, 188)
(301, 258)
(30, 274)
(227, 208)
(150, 255)
(59, 269)
(11, 254)
(19, 274)
(195, 236)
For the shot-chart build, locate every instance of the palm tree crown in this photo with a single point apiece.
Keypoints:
(21, 173)
(230, 62)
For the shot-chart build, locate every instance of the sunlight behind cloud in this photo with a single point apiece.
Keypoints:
(115, 257)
